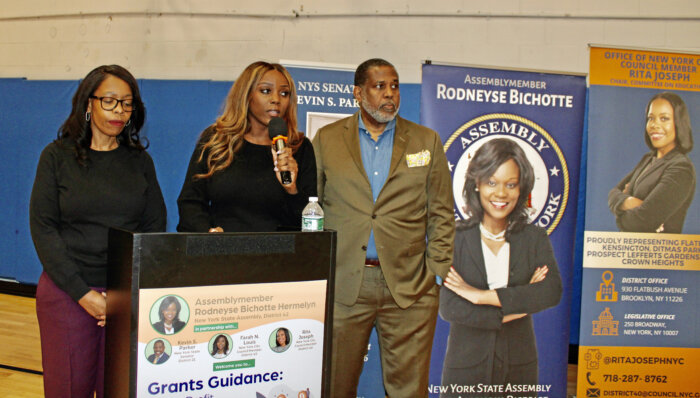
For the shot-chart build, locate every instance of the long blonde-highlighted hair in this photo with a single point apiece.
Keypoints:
(230, 127)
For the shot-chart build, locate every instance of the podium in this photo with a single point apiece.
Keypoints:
(219, 315)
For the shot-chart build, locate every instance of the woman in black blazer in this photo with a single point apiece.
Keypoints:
(656, 195)
(504, 270)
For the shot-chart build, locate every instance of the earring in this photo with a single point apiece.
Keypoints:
(128, 122)
(87, 116)
(476, 189)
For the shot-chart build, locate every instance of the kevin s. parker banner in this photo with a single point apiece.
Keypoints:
(542, 113)
(640, 329)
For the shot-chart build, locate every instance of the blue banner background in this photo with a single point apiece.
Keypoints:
(687, 326)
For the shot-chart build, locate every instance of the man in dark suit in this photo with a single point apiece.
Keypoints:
(385, 187)
(159, 355)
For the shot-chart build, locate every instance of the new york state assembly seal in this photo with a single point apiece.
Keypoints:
(550, 194)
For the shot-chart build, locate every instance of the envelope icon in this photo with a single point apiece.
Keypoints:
(593, 393)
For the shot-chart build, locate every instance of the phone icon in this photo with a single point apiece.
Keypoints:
(588, 378)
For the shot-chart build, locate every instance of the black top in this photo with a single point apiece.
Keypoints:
(478, 334)
(72, 208)
(177, 326)
(246, 196)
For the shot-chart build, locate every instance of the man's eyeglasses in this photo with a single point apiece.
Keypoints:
(109, 103)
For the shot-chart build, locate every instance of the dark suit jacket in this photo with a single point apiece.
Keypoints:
(666, 187)
(162, 358)
(415, 203)
(477, 333)
(177, 325)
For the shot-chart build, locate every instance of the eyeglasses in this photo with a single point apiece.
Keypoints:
(109, 103)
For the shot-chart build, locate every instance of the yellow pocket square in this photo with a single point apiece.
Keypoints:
(418, 159)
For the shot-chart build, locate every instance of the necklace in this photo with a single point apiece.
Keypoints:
(499, 237)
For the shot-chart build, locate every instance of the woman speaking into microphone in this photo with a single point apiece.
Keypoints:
(236, 180)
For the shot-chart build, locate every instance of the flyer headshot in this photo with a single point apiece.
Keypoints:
(656, 194)
(280, 340)
(158, 351)
(169, 315)
(220, 346)
(642, 165)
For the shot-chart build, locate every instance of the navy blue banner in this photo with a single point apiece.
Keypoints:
(543, 114)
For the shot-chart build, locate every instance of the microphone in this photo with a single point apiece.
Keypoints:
(277, 128)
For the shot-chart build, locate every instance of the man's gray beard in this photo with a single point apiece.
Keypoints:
(377, 114)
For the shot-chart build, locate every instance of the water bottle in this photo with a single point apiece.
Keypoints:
(312, 216)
